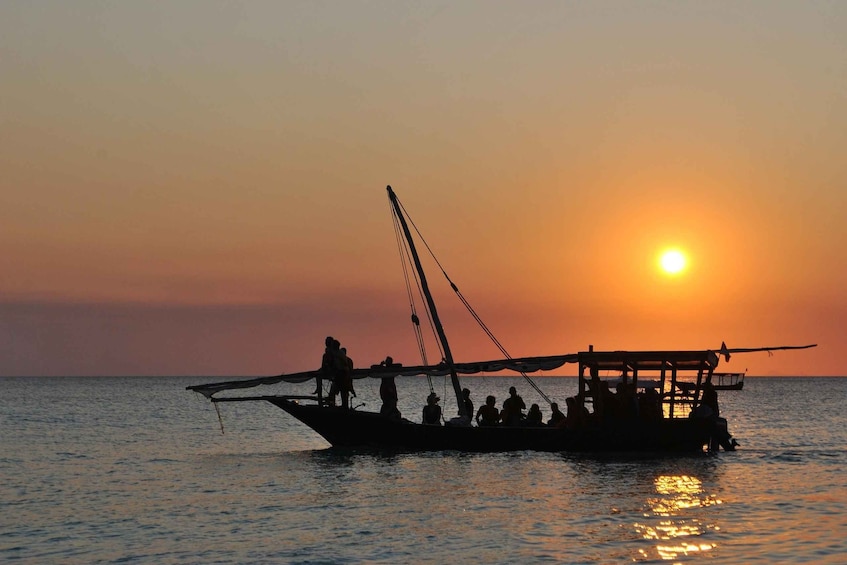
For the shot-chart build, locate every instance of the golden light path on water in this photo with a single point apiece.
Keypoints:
(676, 536)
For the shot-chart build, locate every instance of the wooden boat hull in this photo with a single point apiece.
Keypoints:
(728, 381)
(736, 386)
(358, 429)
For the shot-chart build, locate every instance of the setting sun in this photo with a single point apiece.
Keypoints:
(672, 261)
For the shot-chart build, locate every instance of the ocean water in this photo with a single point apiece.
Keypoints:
(136, 470)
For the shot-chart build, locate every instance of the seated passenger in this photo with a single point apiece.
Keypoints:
(468, 403)
(513, 408)
(432, 411)
(710, 397)
(627, 401)
(650, 405)
(577, 416)
(488, 415)
(534, 417)
(611, 410)
(557, 419)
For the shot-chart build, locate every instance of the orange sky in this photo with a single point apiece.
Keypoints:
(199, 188)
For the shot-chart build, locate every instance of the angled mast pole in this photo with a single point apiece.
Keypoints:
(448, 356)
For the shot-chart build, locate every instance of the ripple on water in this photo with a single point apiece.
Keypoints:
(135, 478)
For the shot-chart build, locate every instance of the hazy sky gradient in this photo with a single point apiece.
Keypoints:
(198, 187)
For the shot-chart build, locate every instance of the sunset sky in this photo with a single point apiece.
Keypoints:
(198, 188)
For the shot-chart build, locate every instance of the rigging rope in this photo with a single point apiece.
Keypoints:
(470, 308)
(409, 295)
(405, 261)
(221, 420)
(426, 310)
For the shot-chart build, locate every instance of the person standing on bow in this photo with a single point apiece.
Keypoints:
(327, 370)
(338, 364)
(344, 378)
(349, 380)
(432, 411)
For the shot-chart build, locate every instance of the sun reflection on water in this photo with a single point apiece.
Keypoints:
(676, 535)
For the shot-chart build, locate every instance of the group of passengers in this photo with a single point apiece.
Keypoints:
(512, 414)
(625, 403)
(487, 415)
(337, 368)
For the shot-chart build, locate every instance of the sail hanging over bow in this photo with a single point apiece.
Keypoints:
(518, 365)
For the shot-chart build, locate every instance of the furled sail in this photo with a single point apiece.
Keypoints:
(519, 365)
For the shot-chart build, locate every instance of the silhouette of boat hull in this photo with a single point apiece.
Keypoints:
(358, 429)
(728, 381)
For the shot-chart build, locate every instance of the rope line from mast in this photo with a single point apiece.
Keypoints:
(426, 310)
(405, 262)
(410, 297)
(495, 340)
(470, 308)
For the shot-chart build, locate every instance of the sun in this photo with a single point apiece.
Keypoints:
(672, 261)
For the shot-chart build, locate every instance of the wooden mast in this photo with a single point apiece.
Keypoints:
(448, 357)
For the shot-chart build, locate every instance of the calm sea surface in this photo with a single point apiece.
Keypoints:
(136, 470)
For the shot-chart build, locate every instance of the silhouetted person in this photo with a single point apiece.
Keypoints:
(710, 397)
(513, 408)
(557, 419)
(610, 402)
(347, 377)
(488, 415)
(432, 411)
(340, 372)
(650, 405)
(466, 399)
(595, 389)
(627, 401)
(577, 415)
(327, 371)
(720, 435)
(534, 417)
(388, 395)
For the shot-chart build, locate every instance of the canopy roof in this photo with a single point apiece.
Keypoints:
(630, 361)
